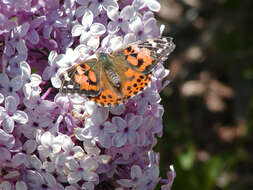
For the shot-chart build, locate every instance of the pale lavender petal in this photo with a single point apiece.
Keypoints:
(20, 117)
(132, 137)
(97, 29)
(136, 172)
(150, 26)
(21, 47)
(127, 12)
(90, 176)
(119, 139)
(118, 110)
(8, 125)
(142, 106)
(119, 122)
(139, 4)
(125, 182)
(101, 115)
(10, 104)
(134, 121)
(87, 18)
(113, 13)
(125, 26)
(93, 42)
(16, 83)
(74, 178)
(35, 80)
(148, 15)
(47, 73)
(56, 82)
(109, 127)
(18, 159)
(47, 138)
(9, 50)
(116, 43)
(94, 7)
(33, 37)
(110, 3)
(5, 153)
(83, 2)
(77, 30)
(23, 29)
(113, 27)
(21, 185)
(47, 31)
(105, 140)
(129, 38)
(85, 36)
(52, 57)
(1, 98)
(89, 164)
(153, 5)
(80, 11)
(37, 21)
(26, 69)
(136, 25)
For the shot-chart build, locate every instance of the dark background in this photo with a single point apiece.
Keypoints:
(208, 119)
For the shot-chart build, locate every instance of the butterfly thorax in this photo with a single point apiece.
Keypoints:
(109, 69)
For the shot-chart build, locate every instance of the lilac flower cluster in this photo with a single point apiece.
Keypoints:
(53, 141)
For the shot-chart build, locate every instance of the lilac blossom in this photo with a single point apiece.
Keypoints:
(120, 19)
(64, 141)
(10, 114)
(126, 129)
(88, 28)
(144, 29)
(96, 6)
(10, 87)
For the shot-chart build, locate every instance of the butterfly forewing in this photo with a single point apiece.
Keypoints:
(82, 78)
(143, 56)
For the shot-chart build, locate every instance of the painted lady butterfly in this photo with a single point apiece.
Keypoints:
(111, 79)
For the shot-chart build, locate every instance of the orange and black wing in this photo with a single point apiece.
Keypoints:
(143, 56)
(82, 78)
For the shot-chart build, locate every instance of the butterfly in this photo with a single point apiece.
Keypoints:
(112, 79)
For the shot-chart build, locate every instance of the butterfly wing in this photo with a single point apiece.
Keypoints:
(143, 56)
(135, 63)
(82, 78)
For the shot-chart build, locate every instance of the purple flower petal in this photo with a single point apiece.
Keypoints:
(87, 19)
(33, 37)
(77, 30)
(20, 117)
(136, 172)
(153, 5)
(18, 159)
(110, 3)
(8, 124)
(10, 104)
(134, 121)
(127, 12)
(97, 29)
(21, 47)
(112, 13)
(16, 83)
(23, 29)
(119, 139)
(119, 122)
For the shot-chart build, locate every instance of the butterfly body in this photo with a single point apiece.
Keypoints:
(111, 79)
